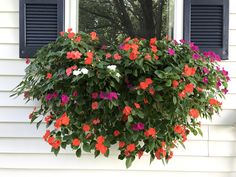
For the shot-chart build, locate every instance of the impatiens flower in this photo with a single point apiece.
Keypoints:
(56, 144)
(150, 132)
(182, 94)
(148, 56)
(189, 88)
(117, 56)
(127, 110)
(108, 55)
(76, 142)
(118, 75)
(96, 121)
(86, 127)
(154, 49)
(178, 129)
(51, 140)
(175, 83)
(78, 39)
(94, 105)
(225, 91)
(46, 135)
(152, 41)
(63, 120)
(116, 133)
(62, 33)
(171, 52)
(93, 36)
(138, 126)
(48, 119)
(137, 105)
(131, 147)
(89, 59)
(148, 81)
(196, 56)
(49, 76)
(199, 89)
(71, 35)
(100, 139)
(101, 148)
(94, 95)
(194, 113)
(160, 153)
(27, 61)
(152, 91)
(214, 102)
(48, 97)
(205, 70)
(205, 80)
(126, 47)
(121, 144)
(143, 85)
(74, 55)
(84, 70)
(188, 71)
(133, 55)
(64, 99)
(112, 67)
(193, 47)
(75, 94)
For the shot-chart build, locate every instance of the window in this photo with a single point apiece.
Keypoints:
(135, 18)
(40, 22)
(206, 24)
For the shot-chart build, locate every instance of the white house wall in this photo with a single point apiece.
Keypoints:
(24, 154)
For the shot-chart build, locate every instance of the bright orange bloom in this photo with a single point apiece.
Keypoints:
(49, 76)
(95, 105)
(131, 147)
(148, 81)
(93, 36)
(116, 133)
(214, 102)
(154, 49)
(86, 127)
(100, 139)
(127, 110)
(48, 119)
(121, 144)
(46, 135)
(150, 132)
(126, 47)
(88, 61)
(137, 105)
(194, 113)
(71, 35)
(160, 153)
(101, 147)
(189, 88)
(178, 129)
(78, 39)
(133, 56)
(188, 71)
(56, 144)
(182, 94)
(143, 85)
(76, 142)
(175, 83)
(153, 41)
(152, 91)
(65, 120)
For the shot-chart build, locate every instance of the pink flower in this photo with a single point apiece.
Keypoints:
(64, 99)
(138, 126)
(194, 47)
(205, 70)
(48, 97)
(27, 60)
(94, 95)
(171, 51)
(196, 56)
(205, 80)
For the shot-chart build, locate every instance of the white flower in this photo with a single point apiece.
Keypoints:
(112, 67)
(117, 74)
(77, 72)
(84, 71)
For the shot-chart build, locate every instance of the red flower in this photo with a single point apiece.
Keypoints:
(78, 39)
(27, 61)
(46, 135)
(150, 132)
(152, 91)
(160, 153)
(117, 56)
(56, 144)
(188, 71)
(143, 85)
(189, 88)
(95, 105)
(194, 113)
(116, 133)
(93, 36)
(130, 147)
(101, 147)
(62, 33)
(86, 127)
(89, 59)
(133, 56)
(153, 41)
(182, 94)
(76, 142)
(127, 110)
(140, 154)
(96, 121)
(178, 129)
(121, 144)
(51, 140)
(65, 120)
(49, 76)
(175, 83)
(170, 155)
(214, 102)
(71, 35)
(148, 56)
(145, 100)
(100, 139)
(137, 105)
(69, 30)
(108, 55)
(154, 49)
(48, 119)
(74, 55)
(127, 39)
(156, 57)
(126, 47)
(148, 81)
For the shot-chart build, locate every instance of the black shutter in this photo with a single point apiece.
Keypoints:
(206, 23)
(40, 22)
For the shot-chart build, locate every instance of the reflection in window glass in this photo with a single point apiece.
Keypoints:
(135, 18)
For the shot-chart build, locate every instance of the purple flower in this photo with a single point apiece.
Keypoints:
(49, 96)
(55, 95)
(225, 91)
(64, 99)
(224, 72)
(218, 84)
(121, 47)
(108, 96)
(194, 47)
(182, 41)
(171, 52)
(205, 80)
(102, 95)
(196, 56)
(138, 126)
(205, 70)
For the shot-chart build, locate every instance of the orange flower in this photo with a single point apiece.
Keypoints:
(178, 129)
(133, 56)
(152, 41)
(78, 39)
(182, 94)
(56, 144)
(116, 133)
(148, 81)
(71, 35)
(117, 56)
(130, 147)
(145, 100)
(51, 139)
(100, 139)
(137, 105)
(126, 47)
(194, 113)
(121, 144)
(86, 127)
(154, 49)
(160, 153)
(189, 88)
(214, 102)
(148, 56)
(95, 105)
(152, 91)
(175, 83)
(88, 61)
(188, 71)
(150, 132)
(49, 76)
(143, 85)
(76, 142)
(65, 119)
(48, 119)
(46, 135)
(127, 110)
(101, 147)
(93, 36)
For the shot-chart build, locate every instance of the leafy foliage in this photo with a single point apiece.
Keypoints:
(144, 95)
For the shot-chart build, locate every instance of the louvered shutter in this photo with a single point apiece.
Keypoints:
(40, 22)
(206, 24)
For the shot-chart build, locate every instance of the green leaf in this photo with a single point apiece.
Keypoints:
(130, 118)
(152, 157)
(174, 100)
(168, 69)
(78, 152)
(200, 131)
(168, 83)
(96, 153)
(129, 161)
(86, 147)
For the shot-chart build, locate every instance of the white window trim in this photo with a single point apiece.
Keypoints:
(72, 15)
(178, 19)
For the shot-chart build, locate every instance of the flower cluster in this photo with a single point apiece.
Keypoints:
(143, 96)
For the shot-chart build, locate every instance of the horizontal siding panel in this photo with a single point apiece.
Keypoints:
(232, 24)
(232, 53)
(9, 36)
(9, 52)
(11, 67)
(38, 146)
(222, 148)
(9, 82)
(107, 173)
(232, 37)
(229, 102)
(222, 133)
(9, 5)
(232, 6)
(63, 161)
(9, 20)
